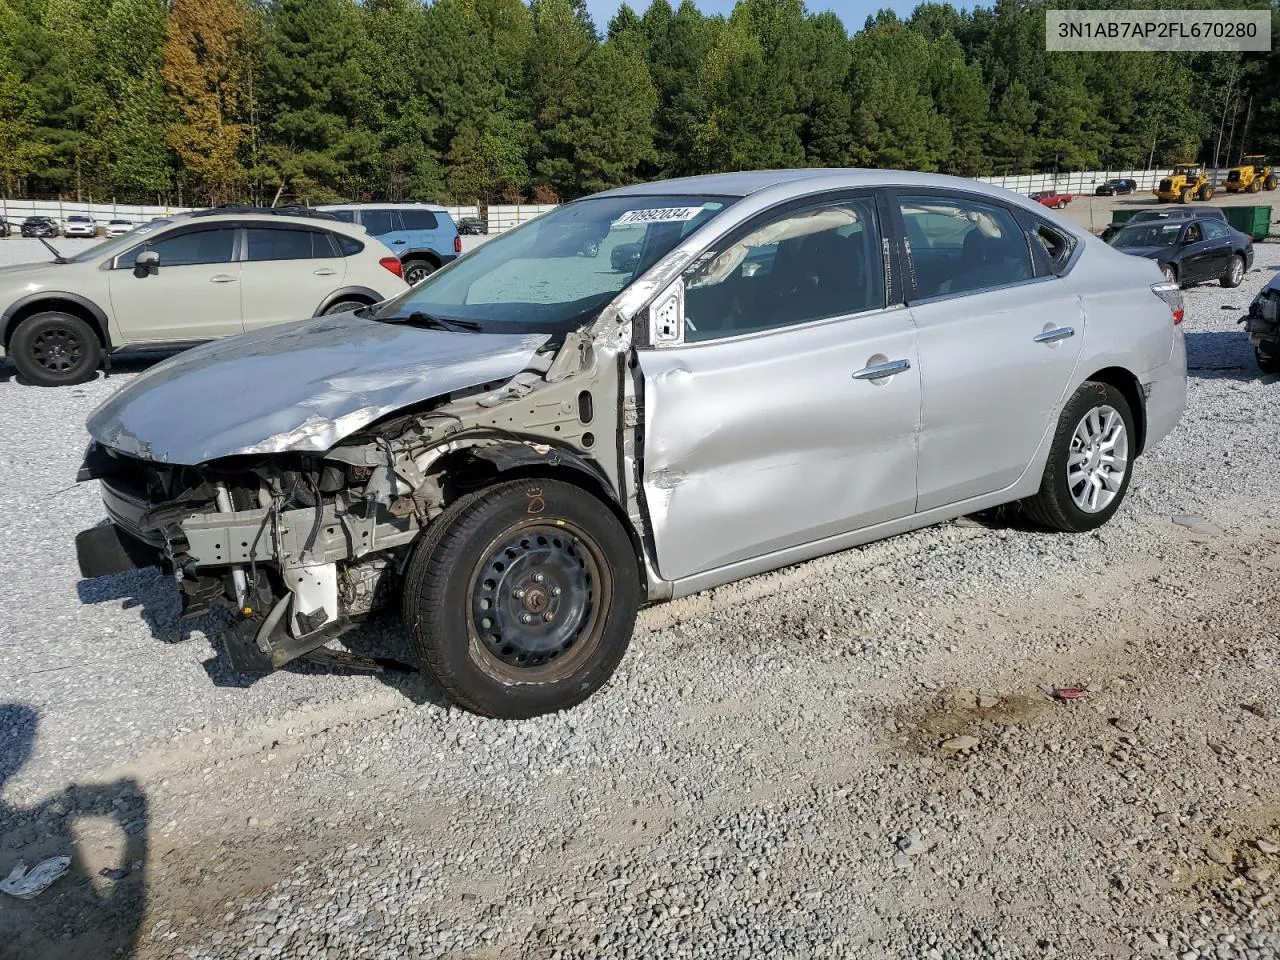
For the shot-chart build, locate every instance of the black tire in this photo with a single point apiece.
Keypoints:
(473, 574)
(1255, 185)
(1170, 272)
(342, 306)
(1270, 182)
(1231, 278)
(1054, 506)
(1267, 363)
(1206, 192)
(55, 349)
(415, 271)
(1185, 195)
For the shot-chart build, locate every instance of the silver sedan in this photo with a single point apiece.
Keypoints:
(543, 435)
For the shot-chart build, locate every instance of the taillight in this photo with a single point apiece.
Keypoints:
(1171, 294)
(394, 265)
(457, 243)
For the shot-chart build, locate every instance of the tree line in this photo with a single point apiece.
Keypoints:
(215, 101)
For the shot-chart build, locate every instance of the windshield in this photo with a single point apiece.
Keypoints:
(554, 273)
(1148, 235)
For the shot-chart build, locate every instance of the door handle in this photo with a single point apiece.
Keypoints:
(222, 278)
(1054, 335)
(325, 272)
(399, 243)
(878, 371)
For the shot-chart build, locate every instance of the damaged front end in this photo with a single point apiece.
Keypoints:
(1262, 324)
(301, 546)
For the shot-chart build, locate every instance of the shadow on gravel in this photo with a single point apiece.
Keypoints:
(148, 589)
(129, 363)
(1221, 355)
(95, 909)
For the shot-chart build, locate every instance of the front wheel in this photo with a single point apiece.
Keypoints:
(1170, 274)
(55, 349)
(1185, 196)
(342, 306)
(1267, 362)
(1090, 461)
(520, 599)
(415, 271)
(1235, 272)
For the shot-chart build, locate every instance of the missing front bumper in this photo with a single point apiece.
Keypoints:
(106, 550)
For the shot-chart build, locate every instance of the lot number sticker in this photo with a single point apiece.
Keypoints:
(658, 215)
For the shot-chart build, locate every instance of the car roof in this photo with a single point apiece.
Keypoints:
(434, 208)
(806, 181)
(268, 219)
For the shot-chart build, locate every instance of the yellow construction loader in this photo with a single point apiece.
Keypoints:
(1187, 182)
(1253, 174)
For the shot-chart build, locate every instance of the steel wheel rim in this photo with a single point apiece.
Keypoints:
(537, 601)
(56, 349)
(1098, 460)
(1237, 269)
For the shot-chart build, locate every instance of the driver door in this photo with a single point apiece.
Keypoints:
(194, 294)
(787, 409)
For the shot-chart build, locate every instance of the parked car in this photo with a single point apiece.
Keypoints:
(4, 228)
(522, 449)
(39, 227)
(1115, 187)
(473, 225)
(119, 227)
(199, 277)
(423, 237)
(1166, 213)
(1051, 198)
(1262, 324)
(624, 256)
(1189, 250)
(79, 226)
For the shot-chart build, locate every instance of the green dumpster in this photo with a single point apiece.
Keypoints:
(1122, 216)
(1255, 221)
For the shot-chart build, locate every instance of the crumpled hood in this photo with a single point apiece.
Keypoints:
(296, 387)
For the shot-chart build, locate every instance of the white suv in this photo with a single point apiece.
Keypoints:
(195, 277)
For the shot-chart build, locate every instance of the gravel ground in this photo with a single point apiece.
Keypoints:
(852, 757)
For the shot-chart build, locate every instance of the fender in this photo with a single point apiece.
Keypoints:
(511, 456)
(373, 296)
(98, 314)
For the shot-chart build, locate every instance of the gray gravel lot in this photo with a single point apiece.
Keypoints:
(853, 757)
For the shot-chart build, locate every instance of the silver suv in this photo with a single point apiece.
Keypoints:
(191, 278)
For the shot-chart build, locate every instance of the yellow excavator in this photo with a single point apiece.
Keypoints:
(1187, 182)
(1253, 174)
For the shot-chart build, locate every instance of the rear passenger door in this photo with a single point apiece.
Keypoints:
(999, 334)
(287, 273)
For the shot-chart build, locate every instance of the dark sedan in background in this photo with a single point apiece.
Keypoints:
(473, 225)
(39, 227)
(1190, 251)
(1116, 187)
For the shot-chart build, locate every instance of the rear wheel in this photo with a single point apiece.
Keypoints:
(416, 271)
(1170, 273)
(521, 599)
(55, 349)
(342, 306)
(1271, 182)
(1235, 272)
(1089, 464)
(1206, 192)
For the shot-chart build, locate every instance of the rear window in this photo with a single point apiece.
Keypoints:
(268, 244)
(419, 220)
(378, 222)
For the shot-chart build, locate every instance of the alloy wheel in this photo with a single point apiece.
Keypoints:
(57, 349)
(1098, 459)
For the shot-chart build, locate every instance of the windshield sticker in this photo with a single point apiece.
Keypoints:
(658, 215)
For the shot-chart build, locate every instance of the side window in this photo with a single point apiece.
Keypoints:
(348, 245)
(1213, 230)
(958, 244)
(189, 249)
(346, 216)
(418, 220)
(1193, 234)
(807, 264)
(379, 222)
(268, 244)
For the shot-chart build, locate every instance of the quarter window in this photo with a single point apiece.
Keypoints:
(268, 244)
(188, 249)
(1053, 245)
(959, 244)
(349, 246)
(807, 264)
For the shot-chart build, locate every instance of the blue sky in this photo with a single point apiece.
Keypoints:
(852, 12)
